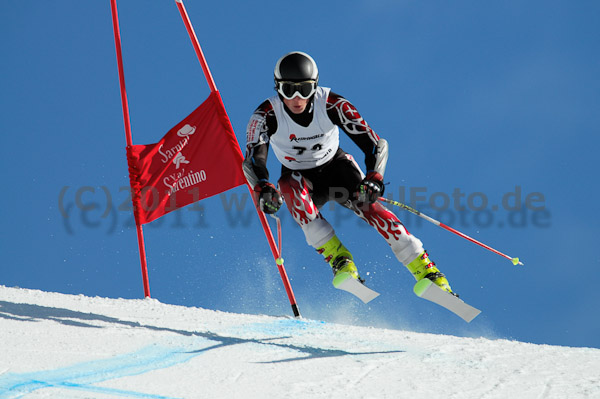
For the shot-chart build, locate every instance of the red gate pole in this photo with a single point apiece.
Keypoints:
(126, 120)
(263, 220)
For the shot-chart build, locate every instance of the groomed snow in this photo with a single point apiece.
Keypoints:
(65, 346)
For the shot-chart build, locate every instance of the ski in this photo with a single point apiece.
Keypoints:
(345, 282)
(426, 289)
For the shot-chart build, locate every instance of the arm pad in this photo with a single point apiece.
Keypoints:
(381, 156)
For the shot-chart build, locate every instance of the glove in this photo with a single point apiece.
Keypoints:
(269, 198)
(370, 188)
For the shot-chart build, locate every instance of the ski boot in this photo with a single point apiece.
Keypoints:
(340, 260)
(422, 268)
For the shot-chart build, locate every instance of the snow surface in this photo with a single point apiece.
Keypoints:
(65, 346)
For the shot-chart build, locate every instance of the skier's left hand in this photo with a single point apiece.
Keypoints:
(269, 198)
(370, 188)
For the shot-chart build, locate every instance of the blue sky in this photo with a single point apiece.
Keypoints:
(475, 99)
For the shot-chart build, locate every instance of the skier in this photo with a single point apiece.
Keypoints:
(301, 123)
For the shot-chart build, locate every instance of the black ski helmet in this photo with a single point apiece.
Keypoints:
(296, 67)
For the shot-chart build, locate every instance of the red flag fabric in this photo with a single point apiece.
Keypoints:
(199, 157)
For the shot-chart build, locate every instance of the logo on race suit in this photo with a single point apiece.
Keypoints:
(253, 130)
(174, 151)
(293, 137)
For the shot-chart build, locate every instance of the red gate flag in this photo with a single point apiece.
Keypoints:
(198, 158)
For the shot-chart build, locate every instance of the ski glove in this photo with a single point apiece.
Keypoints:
(269, 198)
(370, 188)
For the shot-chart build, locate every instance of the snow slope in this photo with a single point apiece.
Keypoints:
(64, 346)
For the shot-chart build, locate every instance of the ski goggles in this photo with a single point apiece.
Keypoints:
(304, 90)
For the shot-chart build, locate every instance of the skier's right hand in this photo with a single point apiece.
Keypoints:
(269, 198)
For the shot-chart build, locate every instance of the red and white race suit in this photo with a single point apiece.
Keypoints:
(315, 170)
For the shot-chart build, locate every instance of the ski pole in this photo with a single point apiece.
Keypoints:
(515, 261)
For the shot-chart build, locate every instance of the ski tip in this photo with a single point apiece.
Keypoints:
(516, 261)
(421, 286)
(469, 318)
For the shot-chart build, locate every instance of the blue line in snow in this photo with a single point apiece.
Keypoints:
(81, 376)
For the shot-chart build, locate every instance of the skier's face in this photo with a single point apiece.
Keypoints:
(297, 105)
